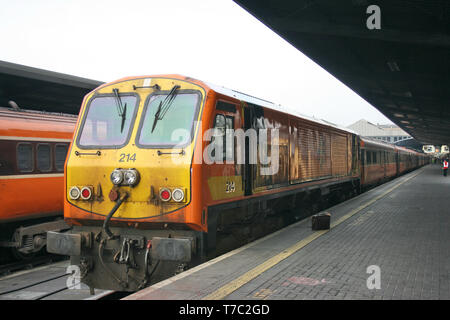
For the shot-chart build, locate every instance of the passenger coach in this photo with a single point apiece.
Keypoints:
(33, 148)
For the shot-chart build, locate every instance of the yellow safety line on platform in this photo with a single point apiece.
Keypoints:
(250, 275)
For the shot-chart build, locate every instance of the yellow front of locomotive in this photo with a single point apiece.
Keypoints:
(129, 182)
(135, 137)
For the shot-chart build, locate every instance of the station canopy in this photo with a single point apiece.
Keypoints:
(37, 89)
(402, 68)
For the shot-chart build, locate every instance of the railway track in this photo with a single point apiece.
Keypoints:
(11, 267)
(50, 282)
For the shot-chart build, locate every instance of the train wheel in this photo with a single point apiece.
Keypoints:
(5, 255)
(20, 255)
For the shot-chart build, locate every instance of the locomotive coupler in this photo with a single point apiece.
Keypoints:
(85, 265)
(127, 248)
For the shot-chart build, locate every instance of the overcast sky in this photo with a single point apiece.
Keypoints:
(212, 40)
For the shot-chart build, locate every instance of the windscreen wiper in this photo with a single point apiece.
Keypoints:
(122, 110)
(165, 105)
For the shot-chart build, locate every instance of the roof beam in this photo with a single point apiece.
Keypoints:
(384, 34)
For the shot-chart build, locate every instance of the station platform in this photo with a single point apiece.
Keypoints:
(391, 242)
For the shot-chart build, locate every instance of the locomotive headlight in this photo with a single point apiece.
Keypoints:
(131, 177)
(117, 177)
(177, 195)
(74, 193)
(86, 193)
(165, 194)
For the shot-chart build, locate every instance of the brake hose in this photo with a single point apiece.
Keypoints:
(109, 216)
(111, 236)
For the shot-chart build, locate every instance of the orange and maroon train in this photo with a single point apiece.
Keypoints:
(164, 172)
(381, 161)
(33, 148)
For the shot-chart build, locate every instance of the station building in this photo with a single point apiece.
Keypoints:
(384, 132)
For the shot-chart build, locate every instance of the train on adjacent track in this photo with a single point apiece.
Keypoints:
(33, 148)
(167, 171)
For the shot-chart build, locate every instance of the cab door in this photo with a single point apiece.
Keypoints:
(225, 174)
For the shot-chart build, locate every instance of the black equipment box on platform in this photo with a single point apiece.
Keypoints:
(321, 221)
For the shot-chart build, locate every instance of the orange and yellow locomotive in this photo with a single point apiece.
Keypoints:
(167, 171)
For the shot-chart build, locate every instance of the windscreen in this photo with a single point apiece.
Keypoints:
(169, 125)
(105, 124)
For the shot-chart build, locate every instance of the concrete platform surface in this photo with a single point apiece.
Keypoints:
(392, 242)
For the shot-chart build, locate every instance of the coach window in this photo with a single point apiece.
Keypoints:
(60, 156)
(43, 157)
(25, 157)
(369, 157)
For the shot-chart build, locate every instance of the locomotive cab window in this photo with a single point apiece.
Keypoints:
(223, 137)
(169, 120)
(43, 158)
(105, 124)
(25, 157)
(229, 138)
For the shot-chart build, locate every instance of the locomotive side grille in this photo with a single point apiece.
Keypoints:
(307, 157)
(325, 154)
(339, 154)
(314, 153)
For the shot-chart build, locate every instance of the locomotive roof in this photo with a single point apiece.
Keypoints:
(268, 104)
(241, 96)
